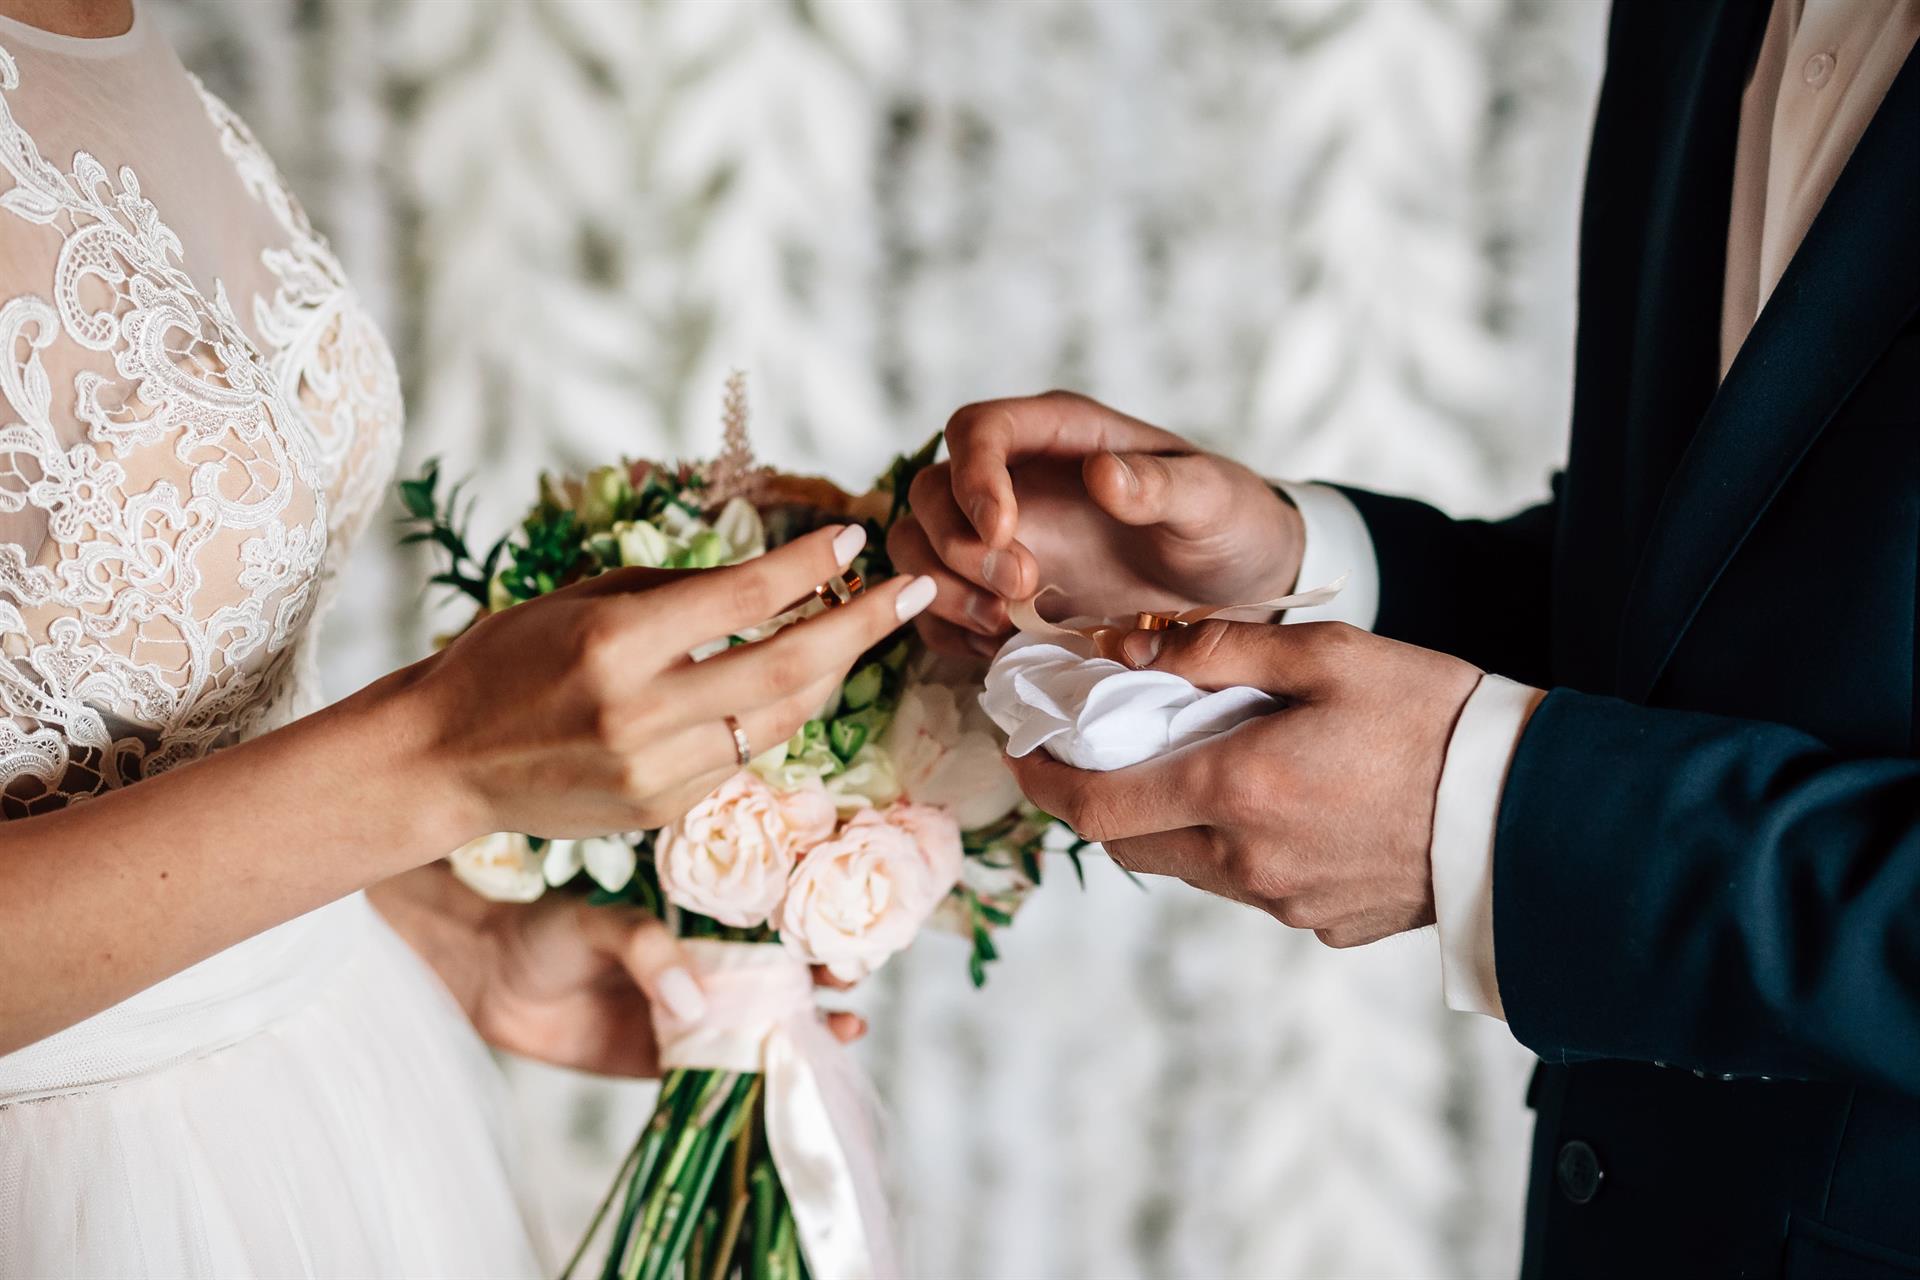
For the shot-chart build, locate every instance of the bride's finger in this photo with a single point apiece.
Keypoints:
(846, 1027)
(650, 954)
(705, 752)
(824, 977)
(776, 669)
(712, 604)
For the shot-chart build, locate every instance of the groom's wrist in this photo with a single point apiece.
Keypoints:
(1333, 543)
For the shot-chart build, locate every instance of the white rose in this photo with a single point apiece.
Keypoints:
(858, 898)
(607, 859)
(867, 782)
(641, 544)
(606, 491)
(501, 867)
(730, 856)
(679, 523)
(802, 759)
(947, 753)
(740, 526)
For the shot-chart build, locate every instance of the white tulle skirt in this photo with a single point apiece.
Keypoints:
(309, 1103)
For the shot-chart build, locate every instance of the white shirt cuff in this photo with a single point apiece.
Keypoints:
(1465, 811)
(1337, 542)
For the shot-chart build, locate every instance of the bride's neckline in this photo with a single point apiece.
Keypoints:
(16, 31)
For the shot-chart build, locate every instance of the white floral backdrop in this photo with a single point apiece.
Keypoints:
(1334, 237)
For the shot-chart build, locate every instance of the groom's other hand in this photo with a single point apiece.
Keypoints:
(1320, 814)
(1058, 490)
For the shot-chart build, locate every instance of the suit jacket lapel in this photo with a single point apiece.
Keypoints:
(1682, 264)
(1853, 285)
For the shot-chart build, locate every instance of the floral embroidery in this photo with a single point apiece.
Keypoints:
(180, 506)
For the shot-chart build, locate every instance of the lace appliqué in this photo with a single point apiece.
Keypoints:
(192, 491)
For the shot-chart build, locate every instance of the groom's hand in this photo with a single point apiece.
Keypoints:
(1060, 491)
(1321, 813)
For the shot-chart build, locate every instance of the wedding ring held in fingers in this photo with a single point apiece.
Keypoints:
(838, 591)
(741, 747)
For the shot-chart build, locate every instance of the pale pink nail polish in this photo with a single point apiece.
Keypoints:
(847, 543)
(915, 598)
(681, 995)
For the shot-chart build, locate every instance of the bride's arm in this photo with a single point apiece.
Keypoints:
(568, 716)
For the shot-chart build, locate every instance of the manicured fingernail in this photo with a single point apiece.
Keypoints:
(682, 995)
(982, 513)
(1141, 647)
(847, 543)
(916, 597)
(1127, 473)
(1001, 573)
(984, 612)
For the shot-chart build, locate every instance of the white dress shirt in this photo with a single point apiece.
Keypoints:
(1822, 70)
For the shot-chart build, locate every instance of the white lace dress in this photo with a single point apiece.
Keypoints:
(198, 421)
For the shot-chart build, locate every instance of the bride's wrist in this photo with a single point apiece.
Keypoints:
(403, 726)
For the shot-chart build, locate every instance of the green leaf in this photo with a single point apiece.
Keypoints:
(993, 914)
(465, 586)
(416, 495)
(846, 736)
(1079, 871)
(863, 686)
(492, 563)
(983, 944)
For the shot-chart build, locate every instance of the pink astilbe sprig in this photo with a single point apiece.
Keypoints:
(734, 473)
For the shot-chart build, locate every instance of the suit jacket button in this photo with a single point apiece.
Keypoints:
(1578, 1171)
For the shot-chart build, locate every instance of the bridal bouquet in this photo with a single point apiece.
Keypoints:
(889, 810)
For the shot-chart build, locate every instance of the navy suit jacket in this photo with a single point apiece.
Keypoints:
(1707, 861)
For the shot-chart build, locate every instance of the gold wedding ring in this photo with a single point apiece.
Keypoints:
(841, 590)
(741, 747)
(1154, 621)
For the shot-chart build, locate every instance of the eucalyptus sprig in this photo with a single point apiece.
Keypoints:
(444, 524)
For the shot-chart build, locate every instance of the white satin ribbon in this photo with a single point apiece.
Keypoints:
(1088, 637)
(822, 1123)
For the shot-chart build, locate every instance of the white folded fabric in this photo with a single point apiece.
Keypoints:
(1094, 713)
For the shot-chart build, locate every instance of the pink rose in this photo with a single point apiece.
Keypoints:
(863, 895)
(730, 856)
(809, 813)
(936, 836)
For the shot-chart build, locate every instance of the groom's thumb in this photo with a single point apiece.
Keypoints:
(1187, 491)
(1287, 660)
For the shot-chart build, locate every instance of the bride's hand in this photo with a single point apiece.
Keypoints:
(556, 980)
(579, 713)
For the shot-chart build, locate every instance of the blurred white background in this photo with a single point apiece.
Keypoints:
(1332, 237)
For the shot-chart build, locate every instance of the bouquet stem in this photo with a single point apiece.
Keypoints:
(679, 1218)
